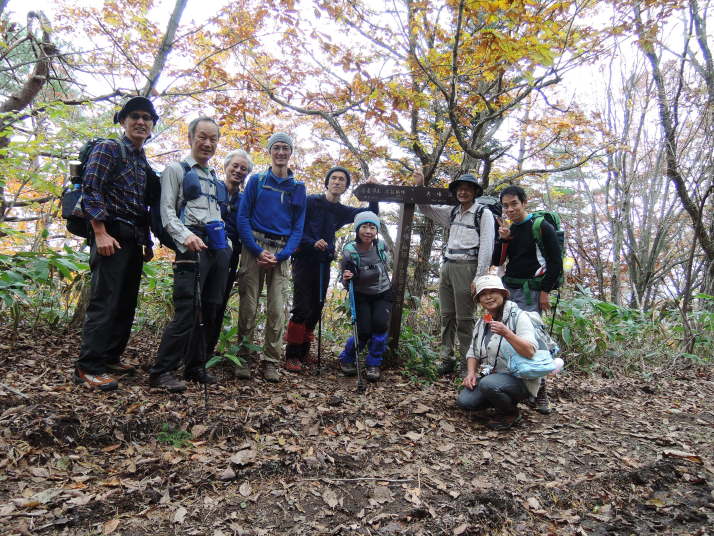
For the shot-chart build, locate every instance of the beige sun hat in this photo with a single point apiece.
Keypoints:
(490, 282)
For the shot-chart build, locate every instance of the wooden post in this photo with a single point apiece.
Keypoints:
(408, 196)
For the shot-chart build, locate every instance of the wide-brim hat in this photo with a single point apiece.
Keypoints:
(467, 178)
(490, 282)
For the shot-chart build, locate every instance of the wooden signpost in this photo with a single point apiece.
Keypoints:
(408, 196)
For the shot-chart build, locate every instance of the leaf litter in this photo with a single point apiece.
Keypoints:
(310, 456)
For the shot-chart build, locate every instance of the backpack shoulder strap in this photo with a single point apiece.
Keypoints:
(537, 231)
(351, 250)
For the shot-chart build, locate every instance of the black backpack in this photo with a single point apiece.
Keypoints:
(153, 200)
(71, 201)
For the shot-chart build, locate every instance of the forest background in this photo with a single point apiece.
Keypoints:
(602, 110)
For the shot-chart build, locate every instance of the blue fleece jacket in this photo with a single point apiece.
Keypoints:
(323, 219)
(277, 208)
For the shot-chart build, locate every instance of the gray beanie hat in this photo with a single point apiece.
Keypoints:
(338, 168)
(282, 137)
(366, 217)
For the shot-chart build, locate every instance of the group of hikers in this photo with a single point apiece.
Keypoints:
(253, 229)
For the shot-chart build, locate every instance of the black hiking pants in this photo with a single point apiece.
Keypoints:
(230, 281)
(182, 337)
(112, 303)
(306, 289)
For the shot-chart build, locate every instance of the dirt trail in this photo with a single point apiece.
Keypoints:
(310, 456)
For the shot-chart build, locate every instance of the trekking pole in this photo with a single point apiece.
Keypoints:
(319, 322)
(555, 309)
(361, 386)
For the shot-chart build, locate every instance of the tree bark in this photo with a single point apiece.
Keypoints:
(165, 48)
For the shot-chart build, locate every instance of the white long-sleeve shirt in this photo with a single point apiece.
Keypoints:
(462, 235)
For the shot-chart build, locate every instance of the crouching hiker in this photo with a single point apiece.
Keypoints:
(191, 198)
(311, 263)
(498, 335)
(364, 264)
(114, 201)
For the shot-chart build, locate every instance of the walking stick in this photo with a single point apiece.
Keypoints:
(361, 386)
(319, 322)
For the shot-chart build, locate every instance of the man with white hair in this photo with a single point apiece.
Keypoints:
(270, 224)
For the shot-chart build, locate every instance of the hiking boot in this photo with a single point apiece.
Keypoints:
(200, 375)
(505, 422)
(373, 374)
(348, 369)
(542, 404)
(167, 381)
(446, 366)
(270, 372)
(242, 372)
(103, 381)
(121, 369)
(293, 365)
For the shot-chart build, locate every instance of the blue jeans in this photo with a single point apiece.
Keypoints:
(499, 390)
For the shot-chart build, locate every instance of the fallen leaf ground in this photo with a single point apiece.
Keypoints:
(310, 456)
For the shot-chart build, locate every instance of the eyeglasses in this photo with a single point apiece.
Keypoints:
(135, 116)
(280, 148)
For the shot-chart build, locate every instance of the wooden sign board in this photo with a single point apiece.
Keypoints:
(408, 196)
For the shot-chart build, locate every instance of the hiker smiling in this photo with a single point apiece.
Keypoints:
(115, 203)
(498, 335)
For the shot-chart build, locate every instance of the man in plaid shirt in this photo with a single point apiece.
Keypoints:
(114, 201)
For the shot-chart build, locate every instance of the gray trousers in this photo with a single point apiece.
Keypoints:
(498, 390)
(457, 308)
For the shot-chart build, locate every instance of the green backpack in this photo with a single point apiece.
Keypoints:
(351, 250)
(539, 216)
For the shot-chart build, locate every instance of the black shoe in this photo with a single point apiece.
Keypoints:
(373, 374)
(200, 375)
(446, 366)
(167, 381)
(348, 369)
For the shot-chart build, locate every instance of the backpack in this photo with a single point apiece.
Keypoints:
(485, 201)
(189, 184)
(351, 250)
(539, 216)
(261, 186)
(71, 200)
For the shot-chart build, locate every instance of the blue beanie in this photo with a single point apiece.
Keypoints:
(366, 217)
(282, 137)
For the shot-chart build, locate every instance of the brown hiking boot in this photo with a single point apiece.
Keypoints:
(542, 404)
(373, 374)
(270, 372)
(103, 382)
(242, 372)
(167, 381)
(120, 369)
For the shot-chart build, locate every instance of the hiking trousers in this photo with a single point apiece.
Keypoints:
(457, 308)
(251, 279)
(112, 302)
(230, 281)
(307, 306)
(499, 390)
(182, 339)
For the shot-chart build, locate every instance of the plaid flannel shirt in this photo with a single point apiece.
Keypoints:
(112, 189)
